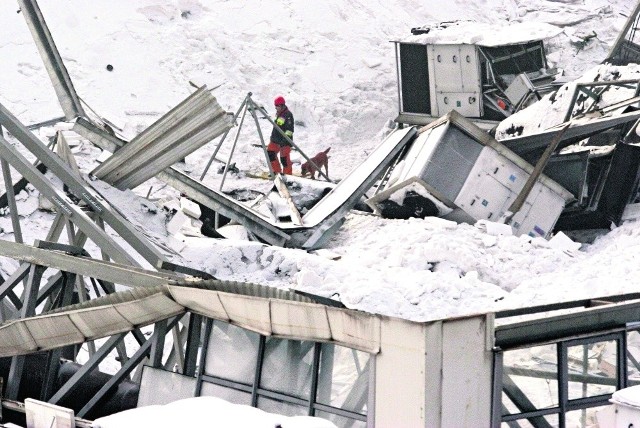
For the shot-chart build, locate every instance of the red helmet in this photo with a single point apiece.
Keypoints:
(279, 101)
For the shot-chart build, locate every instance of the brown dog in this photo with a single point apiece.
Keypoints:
(321, 160)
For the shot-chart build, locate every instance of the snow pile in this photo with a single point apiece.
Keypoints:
(205, 411)
(133, 61)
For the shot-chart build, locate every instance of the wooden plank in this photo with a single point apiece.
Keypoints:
(296, 218)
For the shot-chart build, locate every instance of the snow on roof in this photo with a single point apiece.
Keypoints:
(482, 34)
(551, 109)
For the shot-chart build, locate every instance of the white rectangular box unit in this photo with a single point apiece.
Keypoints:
(467, 168)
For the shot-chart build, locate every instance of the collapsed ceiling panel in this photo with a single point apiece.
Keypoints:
(188, 126)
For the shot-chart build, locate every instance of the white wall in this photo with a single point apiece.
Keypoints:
(434, 374)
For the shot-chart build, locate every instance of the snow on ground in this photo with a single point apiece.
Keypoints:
(334, 63)
(192, 412)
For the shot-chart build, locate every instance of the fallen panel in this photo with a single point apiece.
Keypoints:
(579, 130)
(341, 199)
(193, 123)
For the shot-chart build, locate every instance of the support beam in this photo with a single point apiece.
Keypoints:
(108, 271)
(159, 335)
(76, 186)
(17, 276)
(76, 380)
(131, 364)
(58, 74)
(10, 196)
(63, 203)
(28, 309)
(192, 345)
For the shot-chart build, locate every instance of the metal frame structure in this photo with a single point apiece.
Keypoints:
(609, 320)
(313, 405)
(67, 96)
(626, 49)
(249, 105)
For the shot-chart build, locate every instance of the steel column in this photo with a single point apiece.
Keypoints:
(28, 309)
(142, 352)
(193, 344)
(86, 369)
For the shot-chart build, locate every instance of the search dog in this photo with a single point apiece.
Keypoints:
(321, 160)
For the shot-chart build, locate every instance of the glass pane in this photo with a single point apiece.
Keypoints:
(588, 418)
(549, 420)
(530, 379)
(281, 407)
(341, 421)
(592, 369)
(633, 357)
(287, 367)
(232, 353)
(229, 394)
(343, 380)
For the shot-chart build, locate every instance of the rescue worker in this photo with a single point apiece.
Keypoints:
(278, 145)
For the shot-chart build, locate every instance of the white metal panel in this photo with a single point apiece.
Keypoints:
(300, 320)
(482, 197)
(422, 149)
(150, 309)
(204, 302)
(100, 322)
(356, 330)
(466, 373)
(252, 313)
(454, 73)
(40, 414)
(470, 69)
(542, 209)
(495, 182)
(400, 388)
(465, 103)
(16, 339)
(49, 331)
(163, 387)
(447, 70)
(433, 368)
(502, 169)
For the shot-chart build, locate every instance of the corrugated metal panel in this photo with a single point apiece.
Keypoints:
(203, 302)
(188, 126)
(49, 331)
(150, 309)
(15, 339)
(355, 329)
(252, 313)
(113, 299)
(245, 289)
(100, 321)
(300, 321)
(120, 312)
